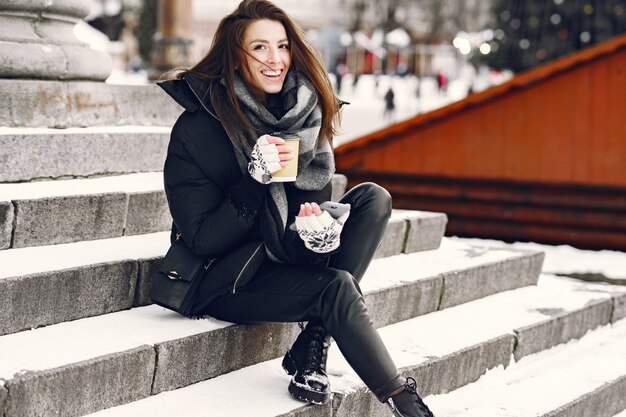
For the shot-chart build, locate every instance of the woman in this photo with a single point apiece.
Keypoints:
(282, 258)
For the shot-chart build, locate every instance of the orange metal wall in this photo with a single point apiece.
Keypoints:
(562, 123)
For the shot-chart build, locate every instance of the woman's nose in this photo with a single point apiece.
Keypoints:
(274, 55)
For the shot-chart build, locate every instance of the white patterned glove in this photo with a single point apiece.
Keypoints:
(321, 233)
(265, 160)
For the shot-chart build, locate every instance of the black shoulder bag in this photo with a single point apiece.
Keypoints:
(179, 275)
(182, 270)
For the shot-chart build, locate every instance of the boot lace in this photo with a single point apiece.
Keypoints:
(318, 351)
(411, 386)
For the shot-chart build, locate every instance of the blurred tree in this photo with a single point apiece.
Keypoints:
(434, 16)
(357, 13)
(390, 13)
(468, 15)
(379, 14)
(146, 29)
(428, 20)
(532, 32)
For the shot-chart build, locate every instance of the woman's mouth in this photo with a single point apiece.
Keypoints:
(272, 73)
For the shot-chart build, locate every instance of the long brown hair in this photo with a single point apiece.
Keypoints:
(227, 53)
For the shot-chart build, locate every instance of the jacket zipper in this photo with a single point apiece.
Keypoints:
(209, 263)
(245, 266)
(241, 151)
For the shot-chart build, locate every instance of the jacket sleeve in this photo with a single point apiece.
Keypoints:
(212, 218)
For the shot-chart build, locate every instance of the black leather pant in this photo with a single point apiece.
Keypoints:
(291, 293)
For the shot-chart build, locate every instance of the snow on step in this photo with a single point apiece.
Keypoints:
(453, 274)
(451, 255)
(259, 390)
(567, 260)
(81, 131)
(129, 183)
(546, 381)
(26, 261)
(436, 337)
(80, 340)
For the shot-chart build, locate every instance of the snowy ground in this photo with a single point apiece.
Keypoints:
(365, 114)
(567, 260)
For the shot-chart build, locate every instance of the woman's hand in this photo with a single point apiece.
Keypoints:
(316, 227)
(268, 156)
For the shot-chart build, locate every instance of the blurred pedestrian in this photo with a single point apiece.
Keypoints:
(442, 82)
(339, 70)
(390, 105)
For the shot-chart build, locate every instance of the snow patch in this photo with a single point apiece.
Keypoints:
(40, 259)
(540, 383)
(142, 182)
(72, 342)
(564, 259)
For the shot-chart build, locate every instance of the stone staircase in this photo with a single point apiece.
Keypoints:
(79, 336)
(83, 225)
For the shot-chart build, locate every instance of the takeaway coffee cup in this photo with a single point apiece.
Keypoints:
(290, 171)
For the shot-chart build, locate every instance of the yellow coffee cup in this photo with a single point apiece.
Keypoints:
(289, 172)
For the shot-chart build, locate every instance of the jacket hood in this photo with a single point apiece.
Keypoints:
(191, 92)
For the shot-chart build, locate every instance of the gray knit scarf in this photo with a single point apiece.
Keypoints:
(316, 164)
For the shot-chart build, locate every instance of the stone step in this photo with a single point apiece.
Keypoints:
(57, 104)
(47, 285)
(443, 350)
(147, 350)
(586, 378)
(410, 231)
(39, 153)
(590, 265)
(52, 212)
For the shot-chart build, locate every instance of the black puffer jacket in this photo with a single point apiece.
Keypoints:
(214, 205)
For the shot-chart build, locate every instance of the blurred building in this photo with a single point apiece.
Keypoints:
(360, 36)
(368, 36)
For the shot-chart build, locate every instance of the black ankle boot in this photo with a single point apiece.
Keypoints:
(306, 361)
(295, 355)
(408, 403)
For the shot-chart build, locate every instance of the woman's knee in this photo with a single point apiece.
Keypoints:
(377, 198)
(341, 285)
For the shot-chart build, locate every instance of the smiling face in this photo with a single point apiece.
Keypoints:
(267, 56)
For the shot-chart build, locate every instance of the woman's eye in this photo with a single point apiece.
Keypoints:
(258, 47)
(284, 46)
